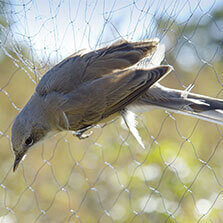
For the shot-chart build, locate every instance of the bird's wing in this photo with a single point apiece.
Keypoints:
(128, 117)
(153, 60)
(78, 68)
(101, 98)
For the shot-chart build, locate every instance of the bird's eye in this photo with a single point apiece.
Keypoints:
(29, 141)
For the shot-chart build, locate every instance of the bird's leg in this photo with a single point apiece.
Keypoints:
(81, 133)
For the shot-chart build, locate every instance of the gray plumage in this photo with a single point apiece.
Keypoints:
(83, 90)
(89, 88)
(184, 102)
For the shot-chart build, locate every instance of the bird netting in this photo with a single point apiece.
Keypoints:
(108, 177)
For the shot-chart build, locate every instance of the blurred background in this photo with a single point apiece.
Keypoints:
(109, 177)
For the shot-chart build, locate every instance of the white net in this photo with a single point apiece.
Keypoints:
(109, 177)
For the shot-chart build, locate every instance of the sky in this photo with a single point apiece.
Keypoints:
(57, 28)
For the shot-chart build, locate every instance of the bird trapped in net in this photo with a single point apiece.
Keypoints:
(87, 89)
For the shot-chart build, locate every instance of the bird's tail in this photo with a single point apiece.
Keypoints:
(184, 102)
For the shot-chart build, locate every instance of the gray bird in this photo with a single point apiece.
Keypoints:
(90, 88)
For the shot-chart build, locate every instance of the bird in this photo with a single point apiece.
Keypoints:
(90, 88)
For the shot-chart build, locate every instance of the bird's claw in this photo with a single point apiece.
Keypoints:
(82, 135)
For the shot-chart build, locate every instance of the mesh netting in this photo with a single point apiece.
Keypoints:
(109, 177)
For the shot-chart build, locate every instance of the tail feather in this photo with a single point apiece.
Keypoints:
(128, 118)
(182, 102)
(210, 116)
(199, 106)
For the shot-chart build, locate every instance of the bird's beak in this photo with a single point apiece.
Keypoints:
(18, 158)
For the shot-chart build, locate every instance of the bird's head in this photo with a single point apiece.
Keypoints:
(30, 128)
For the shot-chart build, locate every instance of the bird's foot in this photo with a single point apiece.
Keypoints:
(82, 135)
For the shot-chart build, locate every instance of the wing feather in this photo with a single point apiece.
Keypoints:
(105, 96)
